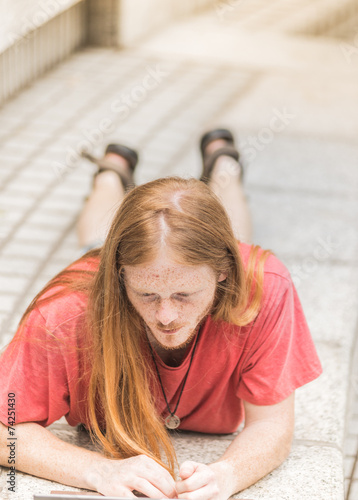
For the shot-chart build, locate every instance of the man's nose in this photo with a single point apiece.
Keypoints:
(166, 312)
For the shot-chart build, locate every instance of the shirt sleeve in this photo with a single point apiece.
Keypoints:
(280, 355)
(32, 367)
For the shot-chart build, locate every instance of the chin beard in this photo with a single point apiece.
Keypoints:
(153, 339)
(182, 345)
(186, 341)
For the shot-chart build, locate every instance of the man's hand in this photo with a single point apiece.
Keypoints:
(140, 473)
(68, 464)
(262, 445)
(199, 481)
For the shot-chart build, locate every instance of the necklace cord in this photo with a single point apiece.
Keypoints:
(184, 379)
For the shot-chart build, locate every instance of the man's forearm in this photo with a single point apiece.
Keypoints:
(40, 453)
(256, 451)
(44, 455)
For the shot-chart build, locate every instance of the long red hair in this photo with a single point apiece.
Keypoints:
(199, 232)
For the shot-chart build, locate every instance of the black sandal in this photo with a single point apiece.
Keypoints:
(209, 160)
(127, 153)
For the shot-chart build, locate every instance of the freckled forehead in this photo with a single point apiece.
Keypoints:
(157, 275)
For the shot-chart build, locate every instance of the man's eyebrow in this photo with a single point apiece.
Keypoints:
(191, 293)
(141, 292)
(135, 290)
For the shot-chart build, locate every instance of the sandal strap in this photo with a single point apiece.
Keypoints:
(126, 178)
(209, 161)
(103, 164)
(127, 153)
(212, 135)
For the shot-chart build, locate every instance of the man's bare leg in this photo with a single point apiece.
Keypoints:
(108, 192)
(101, 205)
(226, 184)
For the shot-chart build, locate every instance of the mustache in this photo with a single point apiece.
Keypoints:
(168, 327)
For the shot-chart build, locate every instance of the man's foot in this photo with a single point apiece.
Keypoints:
(117, 159)
(113, 177)
(219, 152)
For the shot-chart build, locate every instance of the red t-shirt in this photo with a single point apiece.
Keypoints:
(262, 363)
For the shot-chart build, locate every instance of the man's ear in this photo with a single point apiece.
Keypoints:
(222, 277)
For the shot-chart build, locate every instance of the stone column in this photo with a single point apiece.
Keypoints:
(103, 22)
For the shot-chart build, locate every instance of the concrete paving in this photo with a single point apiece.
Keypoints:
(292, 103)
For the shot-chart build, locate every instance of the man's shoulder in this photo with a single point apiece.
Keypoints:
(63, 308)
(61, 304)
(273, 266)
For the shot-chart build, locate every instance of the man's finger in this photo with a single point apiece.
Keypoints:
(201, 476)
(204, 493)
(126, 493)
(151, 491)
(187, 469)
(151, 473)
